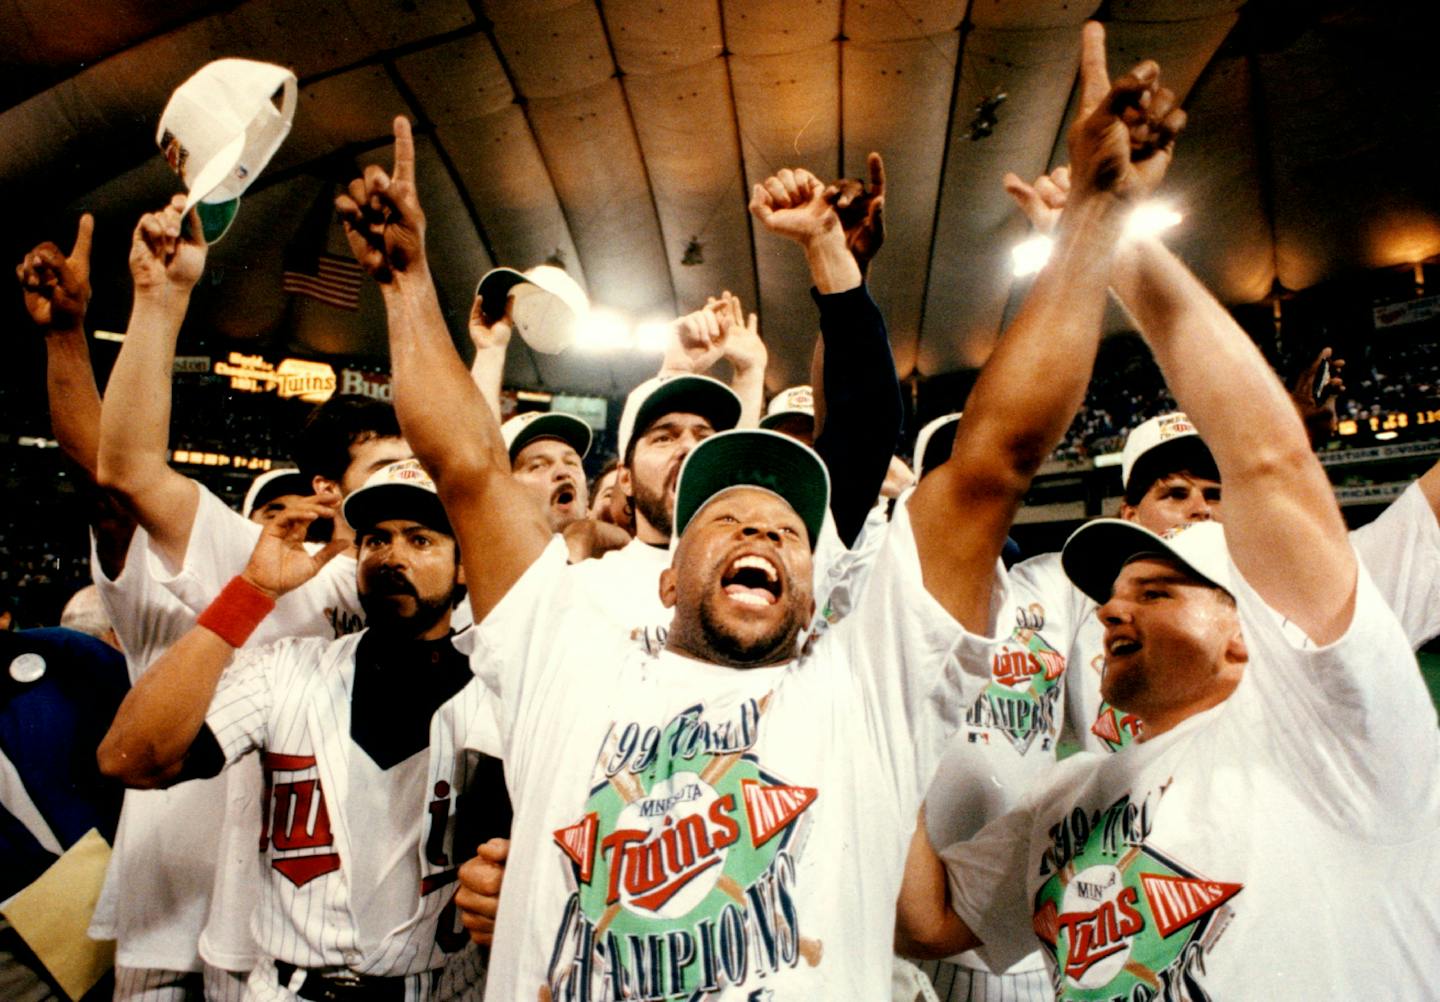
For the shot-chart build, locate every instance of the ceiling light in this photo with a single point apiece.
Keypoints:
(1029, 256)
(604, 330)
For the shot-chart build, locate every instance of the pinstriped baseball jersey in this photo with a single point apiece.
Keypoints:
(291, 703)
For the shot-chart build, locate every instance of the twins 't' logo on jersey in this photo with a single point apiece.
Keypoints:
(1121, 919)
(294, 823)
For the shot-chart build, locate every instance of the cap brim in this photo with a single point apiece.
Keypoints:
(1187, 452)
(494, 290)
(709, 398)
(1098, 551)
(370, 506)
(780, 417)
(216, 217)
(566, 427)
(754, 458)
(291, 482)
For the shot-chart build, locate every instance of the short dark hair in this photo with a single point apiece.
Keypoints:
(346, 419)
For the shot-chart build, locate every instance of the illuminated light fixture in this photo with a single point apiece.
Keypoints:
(1029, 256)
(1108, 459)
(1150, 218)
(109, 336)
(605, 330)
(652, 335)
(1385, 436)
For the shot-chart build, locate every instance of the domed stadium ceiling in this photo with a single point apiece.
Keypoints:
(621, 137)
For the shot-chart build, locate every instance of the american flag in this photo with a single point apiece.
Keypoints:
(330, 278)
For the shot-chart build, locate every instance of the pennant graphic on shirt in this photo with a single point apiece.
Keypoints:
(1177, 901)
(578, 842)
(770, 809)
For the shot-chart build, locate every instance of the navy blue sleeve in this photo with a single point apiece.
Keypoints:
(864, 412)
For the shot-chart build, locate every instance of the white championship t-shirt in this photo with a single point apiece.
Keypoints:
(1279, 846)
(685, 827)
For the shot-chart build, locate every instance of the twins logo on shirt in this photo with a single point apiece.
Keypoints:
(295, 823)
(1122, 921)
(1023, 695)
(683, 864)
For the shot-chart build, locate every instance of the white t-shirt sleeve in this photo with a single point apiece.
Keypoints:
(1401, 550)
(899, 641)
(1351, 721)
(147, 619)
(221, 541)
(988, 888)
(512, 647)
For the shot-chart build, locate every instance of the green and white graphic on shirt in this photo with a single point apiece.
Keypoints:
(683, 861)
(1022, 698)
(1120, 919)
(1115, 728)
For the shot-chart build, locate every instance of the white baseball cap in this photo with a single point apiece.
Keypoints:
(522, 429)
(1095, 553)
(797, 401)
(1171, 431)
(687, 394)
(400, 490)
(933, 444)
(219, 130)
(274, 484)
(544, 304)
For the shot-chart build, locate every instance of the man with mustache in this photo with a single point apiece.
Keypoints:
(547, 449)
(363, 742)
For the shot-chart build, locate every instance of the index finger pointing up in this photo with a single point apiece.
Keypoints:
(404, 151)
(1094, 77)
(877, 173)
(80, 253)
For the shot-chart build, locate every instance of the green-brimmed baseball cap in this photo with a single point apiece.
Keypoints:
(754, 457)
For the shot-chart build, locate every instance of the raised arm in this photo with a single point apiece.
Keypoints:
(859, 421)
(57, 292)
(167, 256)
(742, 347)
(1282, 525)
(491, 340)
(1120, 146)
(157, 724)
(443, 415)
(1284, 529)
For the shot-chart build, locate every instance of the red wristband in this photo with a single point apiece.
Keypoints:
(236, 611)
